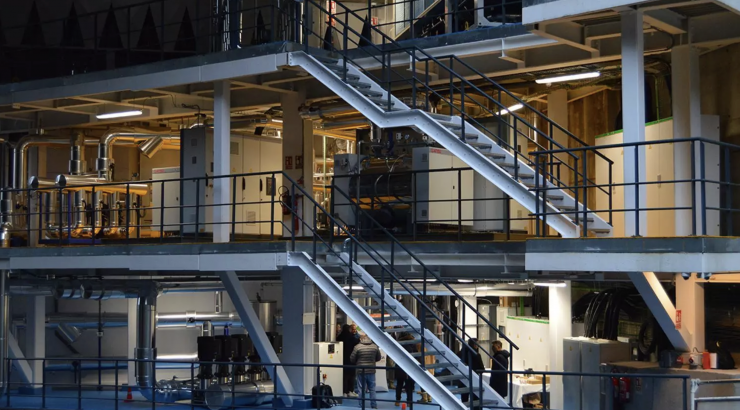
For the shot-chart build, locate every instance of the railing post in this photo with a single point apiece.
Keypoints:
(393, 256)
(703, 189)
(693, 188)
(414, 207)
(609, 192)
(79, 386)
(315, 232)
(233, 209)
(516, 154)
(43, 384)
(115, 388)
(728, 193)
(197, 208)
(294, 216)
(575, 184)
(459, 205)
(637, 191)
(537, 195)
(128, 211)
(585, 195)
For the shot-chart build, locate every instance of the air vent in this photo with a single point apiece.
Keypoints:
(251, 217)
(234, 148)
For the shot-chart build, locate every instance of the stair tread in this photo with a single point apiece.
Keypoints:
(459, 390)
(493, 154)
(358, 84)
(429, 353)
(381, 101)
(409, 342)
(371, 307)
(390, 329)
(450, 377)
(327, 60)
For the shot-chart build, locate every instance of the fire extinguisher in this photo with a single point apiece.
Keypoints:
(625, 385)
(289, 204)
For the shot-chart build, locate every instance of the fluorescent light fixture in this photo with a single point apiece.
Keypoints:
(511, 283)
(119, 114)
(570, 77)
(550, 284)
(353, 287)
(513, 108)
(277, 120)
(465, 280)
(421, 280)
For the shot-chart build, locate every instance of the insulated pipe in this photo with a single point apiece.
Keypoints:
(102, 164)
(146, 336)
(80, 183)
(20, 154)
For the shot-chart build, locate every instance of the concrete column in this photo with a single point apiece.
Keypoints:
(131, 339)
(36, 338)
(557, 110)
(561, 326)
(686, 124)
(686, 88)
(221, 160)
(633, 117)
(470, 319)
(298, 328)
(298, 143)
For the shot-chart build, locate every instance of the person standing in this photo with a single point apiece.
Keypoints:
(471, 358)
(403, 381)
(366, 354)
(348, 345)
(499, 381)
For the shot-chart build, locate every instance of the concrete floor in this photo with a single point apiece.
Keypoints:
(95, 400)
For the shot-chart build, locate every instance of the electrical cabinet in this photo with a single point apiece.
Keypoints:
(252, 194)
(170, 199)
(584, 355)
(330, 353)
(439, 194)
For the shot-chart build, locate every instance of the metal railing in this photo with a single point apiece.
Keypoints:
(514, 132)
(53, 390)
(134, 34)
(707, 188)
(696, 400)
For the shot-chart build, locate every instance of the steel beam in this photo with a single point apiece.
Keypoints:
(662, 308)
(251, 322)
(20, 364)
(221, 160)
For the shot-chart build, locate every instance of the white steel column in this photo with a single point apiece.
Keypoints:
(298, 327)
(471, 319)
(131, 339)
(36, 338)
(561, 326)
(221, 159)
(633, 118)
(687, 123)
(298, 143)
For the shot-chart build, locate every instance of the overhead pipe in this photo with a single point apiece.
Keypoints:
(105, 147)
(20, 153)
(82, 183)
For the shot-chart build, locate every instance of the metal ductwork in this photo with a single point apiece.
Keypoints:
(81, 183)
(105, 148)
(150, 147)
(146, 336)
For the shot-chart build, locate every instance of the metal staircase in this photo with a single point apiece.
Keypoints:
(386, 316)
(490, 154)
(392, 319)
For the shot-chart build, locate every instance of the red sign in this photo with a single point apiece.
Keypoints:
(298, 161)
(332, 12)
(288, 162)
(678, 319)
(374, 21)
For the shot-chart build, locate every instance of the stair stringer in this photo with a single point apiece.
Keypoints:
(421, 120)
(408, 363)
(450, 356)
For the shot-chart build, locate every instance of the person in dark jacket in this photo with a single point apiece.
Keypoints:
(349, 341)
(499, 381)
(367, 355)
(471, 358)
(403, 381)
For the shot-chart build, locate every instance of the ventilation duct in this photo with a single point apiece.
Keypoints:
(151, 146)
(146, 336)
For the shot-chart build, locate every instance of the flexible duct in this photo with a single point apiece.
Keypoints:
(146, 336)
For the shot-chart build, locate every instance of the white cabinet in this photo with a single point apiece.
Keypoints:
(171, 211)
(261, 155)
(438, 193)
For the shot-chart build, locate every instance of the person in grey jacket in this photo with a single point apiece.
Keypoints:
(366, 354)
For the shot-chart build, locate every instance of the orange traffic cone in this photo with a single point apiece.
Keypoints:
(129, 397)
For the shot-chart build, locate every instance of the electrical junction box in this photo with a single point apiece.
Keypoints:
(329, 353)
